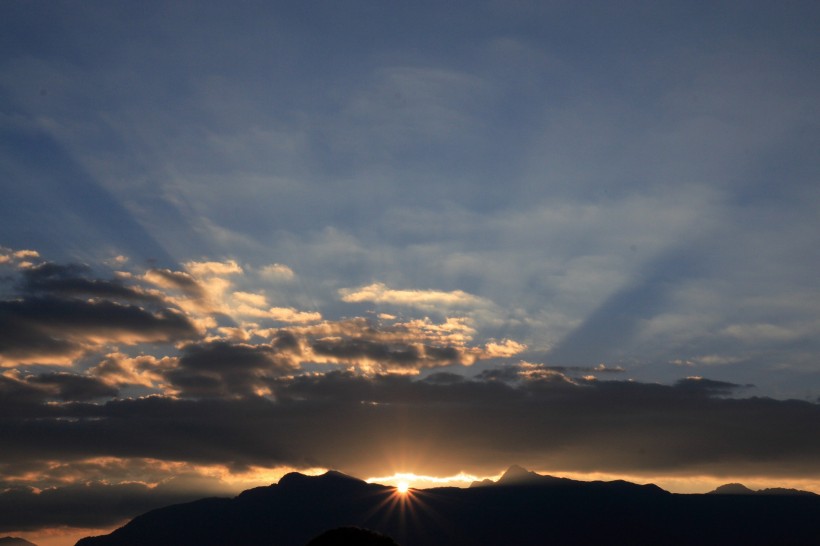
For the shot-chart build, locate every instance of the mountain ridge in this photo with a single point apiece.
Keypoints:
(522, 508)
(15, 541)
(740, 489)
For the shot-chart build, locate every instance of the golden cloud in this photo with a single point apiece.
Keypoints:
(424, 299)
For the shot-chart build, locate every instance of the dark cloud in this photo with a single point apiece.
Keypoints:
(91, 505)
(73, 280)
(525, 371)
(444, 378)
(286, 341)
(176, 280)
(33, 390)
(61, 311)
(394, 355)
(14, 393)
(335, 419)
(72, 387)
(357, 349)
(47, 327)
(222, 369)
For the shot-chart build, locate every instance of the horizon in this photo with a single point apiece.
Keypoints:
(412, 242)
(459, 481)
(686, 486)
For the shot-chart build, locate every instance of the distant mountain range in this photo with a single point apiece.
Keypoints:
(522, 508)
(740, 489)
(14, 541)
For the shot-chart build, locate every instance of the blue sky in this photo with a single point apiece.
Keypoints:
(552, 186)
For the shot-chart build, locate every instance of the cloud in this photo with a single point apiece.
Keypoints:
(548, 420)
(279, 314)
(93, 505)
(118, 369)
(213, 269)
(529, 371)
(202, 290)
(52, 330)
(18, 258)
(255, 300)
(174, 280)
(61, 312)
(401, 347)
(72, 387)
(503, 349)
(228, 370)
(277, 272)
(73, 281)
(309, 392)
(544, 417)
(423, 299)
(105, 491)
(289, 314)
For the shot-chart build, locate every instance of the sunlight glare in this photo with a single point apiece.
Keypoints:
(402, 487)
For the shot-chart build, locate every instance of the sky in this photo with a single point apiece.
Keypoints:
(245, 238)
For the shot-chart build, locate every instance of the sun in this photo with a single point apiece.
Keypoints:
(402, 487)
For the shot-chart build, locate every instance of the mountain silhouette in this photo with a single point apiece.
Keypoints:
(732, 489)
(14, 541)
(740, 489)
(352, 536)
(518, 475)
(522, 509)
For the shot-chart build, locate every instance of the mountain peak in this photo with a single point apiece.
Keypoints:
(732, 489)
(515, 475)
(331, 476)
(518, 474)
(335, 474)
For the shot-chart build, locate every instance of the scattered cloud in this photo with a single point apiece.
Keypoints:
(118, 369)
(213, 269)
(227, 370)
(255, 300)
(174, 280)
(289, 314)
(277, 272)
(52, 330)
(19, 258)
(422, 299)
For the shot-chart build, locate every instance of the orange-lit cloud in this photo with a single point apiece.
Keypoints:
(252, 299)
(213, 269)
(118, 369)
(423, 299)
(277, 272)
(21, 259)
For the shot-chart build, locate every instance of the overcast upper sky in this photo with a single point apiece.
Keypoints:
(402, 237)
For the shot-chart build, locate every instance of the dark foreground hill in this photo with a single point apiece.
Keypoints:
(527, 510)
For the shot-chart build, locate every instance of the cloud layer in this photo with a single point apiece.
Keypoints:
(160, 365)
